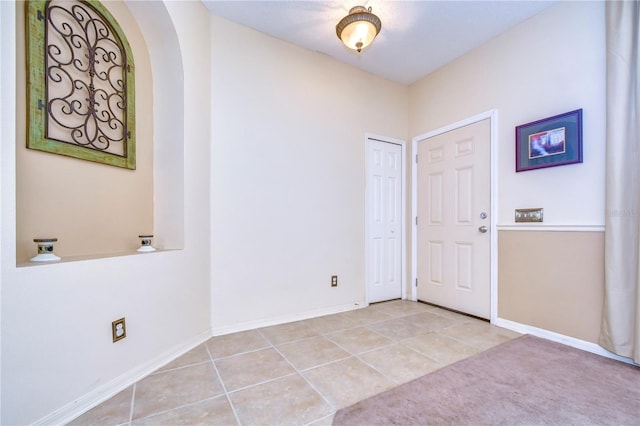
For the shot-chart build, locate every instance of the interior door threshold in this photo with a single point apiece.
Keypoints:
(453, 310)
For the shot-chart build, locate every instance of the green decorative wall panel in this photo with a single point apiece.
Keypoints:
(80, 93)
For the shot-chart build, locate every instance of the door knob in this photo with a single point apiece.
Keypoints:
(483, 229)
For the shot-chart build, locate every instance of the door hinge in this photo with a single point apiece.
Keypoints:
(416, 282)
(416, 158)
(416, 220)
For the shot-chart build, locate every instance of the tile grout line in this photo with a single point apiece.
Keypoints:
(161, 412)
(328, 416)
(299, 372)
(189, 404)
(335, 361)
(320, 332)
(239, 353)
(182, 367)
(264, 382)
(394, 382)
(421, 353)
(350, 354)
(367, 326)
(460, 340)
(280, 377)
(400, 342)
(224, 387)
(271, 345)
(357, 356)
(352, 325)
(393, 342)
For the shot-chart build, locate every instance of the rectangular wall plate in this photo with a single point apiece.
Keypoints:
(529, 215)
(118, 329)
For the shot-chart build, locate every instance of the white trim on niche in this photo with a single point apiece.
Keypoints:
(560, 338)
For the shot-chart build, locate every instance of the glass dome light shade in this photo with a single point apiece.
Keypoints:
(358, 29)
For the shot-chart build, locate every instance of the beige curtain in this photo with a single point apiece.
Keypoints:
(620, 331)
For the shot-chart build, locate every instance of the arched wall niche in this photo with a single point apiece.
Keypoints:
(168, 120)
(96, 210)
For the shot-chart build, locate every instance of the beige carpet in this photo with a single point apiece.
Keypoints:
(526, 381)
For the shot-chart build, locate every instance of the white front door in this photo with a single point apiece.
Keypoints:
(454, 204)
(384, 221)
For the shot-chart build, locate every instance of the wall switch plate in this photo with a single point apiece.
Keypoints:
(334, 281)
(529, 215)
(118, 329)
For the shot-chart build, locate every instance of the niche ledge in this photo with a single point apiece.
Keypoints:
(80, 258)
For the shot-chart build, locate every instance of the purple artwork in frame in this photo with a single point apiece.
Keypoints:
(550, 142)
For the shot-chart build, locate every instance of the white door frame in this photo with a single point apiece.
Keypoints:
(403, 153)
(492, 115)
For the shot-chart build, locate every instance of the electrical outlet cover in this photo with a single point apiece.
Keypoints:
(118, 329)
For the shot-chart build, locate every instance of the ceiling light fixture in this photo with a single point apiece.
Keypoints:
(358, 29)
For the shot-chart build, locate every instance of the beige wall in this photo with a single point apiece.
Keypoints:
(288, 175)
(91, 208)
(550, 64)
(552, 280)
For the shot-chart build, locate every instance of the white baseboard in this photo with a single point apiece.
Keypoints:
(105, 391)
(109, 389)
(560, 338)
(102, 393)
(252, 325)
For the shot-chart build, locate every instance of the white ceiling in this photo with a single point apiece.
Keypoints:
(417, 37)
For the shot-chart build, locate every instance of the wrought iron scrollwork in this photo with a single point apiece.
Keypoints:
(86, 79)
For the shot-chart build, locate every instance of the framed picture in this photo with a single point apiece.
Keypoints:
(550, 142)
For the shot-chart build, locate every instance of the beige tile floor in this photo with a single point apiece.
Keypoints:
(299, 373)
